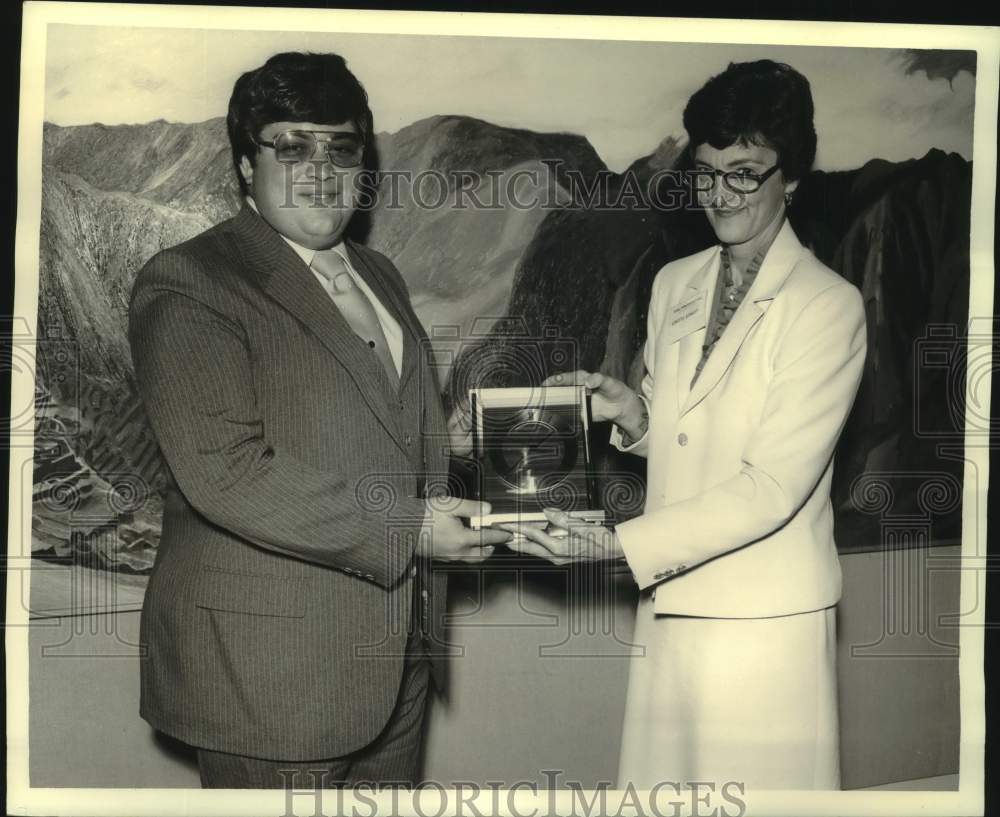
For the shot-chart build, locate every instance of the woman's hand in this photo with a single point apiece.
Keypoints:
(564, 539)
(460, 429)
(610, 400)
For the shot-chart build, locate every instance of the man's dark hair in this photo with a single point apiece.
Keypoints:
(762, 103)
(294, 87)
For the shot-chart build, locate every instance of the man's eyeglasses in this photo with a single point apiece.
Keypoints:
(742, 181)
(343, 148)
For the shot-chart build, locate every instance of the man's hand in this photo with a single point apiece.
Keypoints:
(610, 400)
(564, 539)
(444, 537)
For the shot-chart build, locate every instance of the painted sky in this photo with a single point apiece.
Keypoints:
(623, 96)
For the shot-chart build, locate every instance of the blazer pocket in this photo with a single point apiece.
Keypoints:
(245, 593)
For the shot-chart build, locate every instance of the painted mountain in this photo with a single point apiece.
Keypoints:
(515, 291)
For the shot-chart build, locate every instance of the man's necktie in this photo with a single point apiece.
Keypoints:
(355, 307)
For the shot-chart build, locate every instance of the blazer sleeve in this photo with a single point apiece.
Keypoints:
(192, 366)
(816, 373)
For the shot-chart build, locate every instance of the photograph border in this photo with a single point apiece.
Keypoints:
(968, 799)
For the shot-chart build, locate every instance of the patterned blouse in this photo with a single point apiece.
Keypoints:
(726, 300)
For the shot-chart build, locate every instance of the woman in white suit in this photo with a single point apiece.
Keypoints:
(753, 358)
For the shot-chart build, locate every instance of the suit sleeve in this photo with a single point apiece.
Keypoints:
(815, 378)
(619, 439)
(192, 365)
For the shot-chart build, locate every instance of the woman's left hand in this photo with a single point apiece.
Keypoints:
(564, 539)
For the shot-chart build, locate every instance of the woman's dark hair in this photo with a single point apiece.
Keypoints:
(294, 87)
(762, 103)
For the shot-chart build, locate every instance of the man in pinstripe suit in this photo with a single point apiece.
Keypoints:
(290, 613)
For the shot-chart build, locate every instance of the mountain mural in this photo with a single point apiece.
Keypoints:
(571, 276)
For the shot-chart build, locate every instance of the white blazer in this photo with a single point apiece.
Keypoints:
(738, 521)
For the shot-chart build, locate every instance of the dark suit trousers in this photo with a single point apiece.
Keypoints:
(393, 757)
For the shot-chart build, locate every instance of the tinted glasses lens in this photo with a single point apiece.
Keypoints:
(294, 146)
(344, 149)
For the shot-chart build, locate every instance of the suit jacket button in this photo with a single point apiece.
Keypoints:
(413, 571)
(682, 439)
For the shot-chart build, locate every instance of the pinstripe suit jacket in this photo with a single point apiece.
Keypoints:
(276, 615)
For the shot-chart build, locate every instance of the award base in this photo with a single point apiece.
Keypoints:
(487, 520)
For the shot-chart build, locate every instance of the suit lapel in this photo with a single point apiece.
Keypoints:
(778, 263)
(284, 278)
(395, 303)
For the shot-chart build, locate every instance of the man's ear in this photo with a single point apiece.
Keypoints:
(789, 186)
(246, 170)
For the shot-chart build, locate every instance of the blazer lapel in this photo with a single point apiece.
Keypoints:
(689, 344)
(285, 279)
(394, 302)
(778, 263)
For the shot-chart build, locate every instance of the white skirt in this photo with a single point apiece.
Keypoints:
(719, 700)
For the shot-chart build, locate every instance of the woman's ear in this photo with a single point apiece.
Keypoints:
(246, 170)
(790, 187)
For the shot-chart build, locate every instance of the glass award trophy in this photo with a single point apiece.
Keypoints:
(532, 451)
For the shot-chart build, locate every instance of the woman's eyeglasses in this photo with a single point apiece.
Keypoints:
(702, 180)
(343, 148)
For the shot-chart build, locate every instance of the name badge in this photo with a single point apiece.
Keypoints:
(687, 317)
